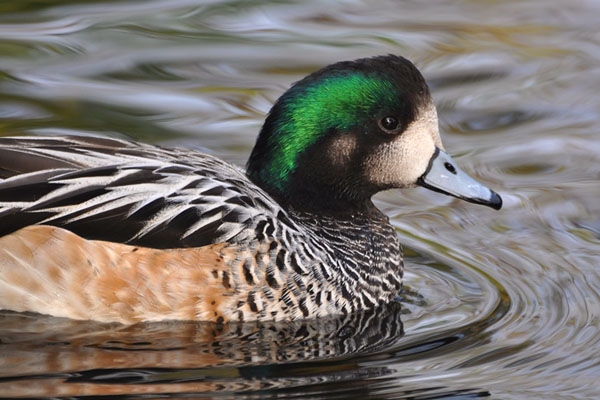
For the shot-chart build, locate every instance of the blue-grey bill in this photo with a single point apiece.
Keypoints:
(444, 176)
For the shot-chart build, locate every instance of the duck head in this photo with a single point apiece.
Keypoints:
(352, 129)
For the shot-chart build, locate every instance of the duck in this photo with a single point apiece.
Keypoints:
(116, 231)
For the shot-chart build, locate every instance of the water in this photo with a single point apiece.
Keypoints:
(501, 304)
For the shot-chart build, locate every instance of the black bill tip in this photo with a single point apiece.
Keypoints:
(495, 201)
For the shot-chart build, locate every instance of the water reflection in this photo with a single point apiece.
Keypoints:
(48, 349)
(336, 355)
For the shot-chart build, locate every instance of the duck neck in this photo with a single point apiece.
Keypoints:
(325, 199)
(367, 255)
(316, 184)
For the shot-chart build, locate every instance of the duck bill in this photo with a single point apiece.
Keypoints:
(444, 176)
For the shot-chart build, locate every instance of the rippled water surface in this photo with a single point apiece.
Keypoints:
(500, 304)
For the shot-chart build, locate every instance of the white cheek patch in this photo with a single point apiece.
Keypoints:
(418, 150)
(401, 162)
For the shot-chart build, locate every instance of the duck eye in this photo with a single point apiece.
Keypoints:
(389, 123)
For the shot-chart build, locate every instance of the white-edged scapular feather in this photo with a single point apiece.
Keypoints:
(181, 180)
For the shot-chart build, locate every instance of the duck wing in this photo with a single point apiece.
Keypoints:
(125, 192)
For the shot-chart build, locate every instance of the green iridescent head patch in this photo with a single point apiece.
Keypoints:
(310, 110)
(344, 97)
